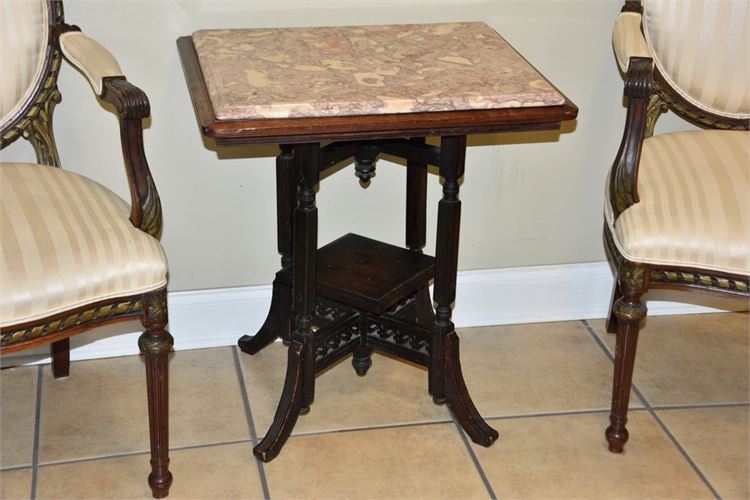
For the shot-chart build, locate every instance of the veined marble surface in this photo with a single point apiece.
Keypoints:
(363, 70)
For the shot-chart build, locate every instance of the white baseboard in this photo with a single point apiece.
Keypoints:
(212, 318)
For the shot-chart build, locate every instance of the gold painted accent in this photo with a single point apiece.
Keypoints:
(75, 319)
(157, 307)
(151, 219)
(695, 114)
(155, 344)
(627, 311)
(622, 193)
(656, 107)
(633, 277)
(700, 279)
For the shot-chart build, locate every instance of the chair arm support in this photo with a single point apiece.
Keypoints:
(627, 39)
(132, 107)
(623, 181)
(90, 57)
(103, 72)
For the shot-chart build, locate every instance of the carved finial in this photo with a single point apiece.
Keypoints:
(364, 163)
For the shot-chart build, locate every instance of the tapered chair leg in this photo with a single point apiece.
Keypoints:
(629, 311)
(155, 344)
(60, 352)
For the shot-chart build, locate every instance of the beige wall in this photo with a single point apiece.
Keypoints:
(525, 202)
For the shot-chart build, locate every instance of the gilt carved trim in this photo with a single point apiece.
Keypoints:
(81, 317)
(34, 122)
(656, 107)
(691, 112)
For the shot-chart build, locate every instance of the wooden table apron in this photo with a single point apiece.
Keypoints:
(344, 299)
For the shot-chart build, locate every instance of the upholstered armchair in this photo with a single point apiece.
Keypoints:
(676, 209)
(73, 254)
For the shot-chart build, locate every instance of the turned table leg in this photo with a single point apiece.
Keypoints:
(279, 320)
(299, 386)
(416, 228)
(446, 382)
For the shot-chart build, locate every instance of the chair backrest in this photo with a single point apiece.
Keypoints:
(24, 31)
(29, 65)
(702, 49)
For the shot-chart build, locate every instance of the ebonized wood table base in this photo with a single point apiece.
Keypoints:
(357, 295)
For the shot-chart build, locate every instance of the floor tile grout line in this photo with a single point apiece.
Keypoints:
(13, 468)
(685, 454)
(143, 452)
(700, 406)
(371, 428)
(599, 342)
(658, 420)
(474, 459)
(552, 414)
(37, 425)
(250, 423)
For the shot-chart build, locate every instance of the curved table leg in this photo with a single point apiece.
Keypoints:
(458, 399)
(288, 409)
(277, 323)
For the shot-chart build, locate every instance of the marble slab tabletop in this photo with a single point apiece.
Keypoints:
(365, 70)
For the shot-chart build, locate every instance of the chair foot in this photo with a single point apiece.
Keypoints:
(616, 438)
(160, 484)
(288, 410)
(458, 399)
(60, 352)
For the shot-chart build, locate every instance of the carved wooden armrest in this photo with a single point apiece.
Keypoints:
(100, 68)
(623, 181)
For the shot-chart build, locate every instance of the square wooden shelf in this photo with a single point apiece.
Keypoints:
(367, 274)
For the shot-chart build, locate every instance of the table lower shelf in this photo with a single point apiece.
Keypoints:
(367, 274)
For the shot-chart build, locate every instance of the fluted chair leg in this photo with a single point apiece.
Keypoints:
(155, 344)
(630, 311)
(60, 352)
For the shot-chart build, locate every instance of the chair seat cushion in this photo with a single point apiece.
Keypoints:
(693, 210)
(67, 241)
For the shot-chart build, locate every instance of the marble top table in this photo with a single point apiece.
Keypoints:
(277, 84)
(328, 95)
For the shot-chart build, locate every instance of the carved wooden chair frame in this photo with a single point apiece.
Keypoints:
(649, 95)
(33, 122)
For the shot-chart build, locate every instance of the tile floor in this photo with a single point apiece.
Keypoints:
(545, 388)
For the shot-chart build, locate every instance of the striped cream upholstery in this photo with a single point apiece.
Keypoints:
(628, 40)
(66, 241)
(694, 206)
(702, 47)
(23, 43)
(91, 57)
